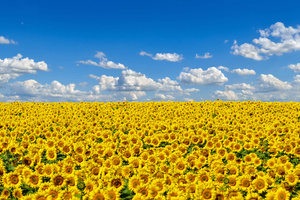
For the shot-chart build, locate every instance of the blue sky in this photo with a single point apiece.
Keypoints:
(58, 51)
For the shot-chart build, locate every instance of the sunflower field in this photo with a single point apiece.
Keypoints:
(150, 150)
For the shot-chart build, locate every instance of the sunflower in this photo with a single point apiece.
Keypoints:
(271, 195)
(231, 157)
(17, 193)
(116, 162)
(53, 193)
(190, 177)
(126, 155)
(14, 179)
(234, 194)
(203, 177)
(66, 149)
(161, 156)
(42, 195)
(271, 163)
(253, 195)
(222, 152)
(58, 180)
(134, 183)
(144, 191)
(117, 183)
(248, 159)
(33, 180)
(126, 172)
(158, 185)
(70, 180)
(51, 154)
(48, 171)
(292, 179)
(232, 169)
(68, 169)
(282, 194)
(67, 194)
(27, 161)
(5, 193)
(260, 184)
(112, 194)
(90, 185)
(180, 165)
(208, 193)
(245, 182)
(257, 162)
(233, 182)
(39, 168)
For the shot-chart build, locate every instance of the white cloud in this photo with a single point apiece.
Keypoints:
(191, 90)
(269, 83)
(173, 57)
(290, 41)
(11, 68)
(239, 86)
(206, 55)
(4, 40)
(133, 81)
(244, 72)
(295, 68)
(225, 68)
(247, 50)
(96, 89)
(163, 97)
(103, 62)
(212, 76)
(228, 95)
(225, 41)
(143, 53)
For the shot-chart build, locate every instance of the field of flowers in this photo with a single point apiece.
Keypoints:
(150, 150)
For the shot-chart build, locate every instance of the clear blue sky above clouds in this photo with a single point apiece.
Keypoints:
(108, 50)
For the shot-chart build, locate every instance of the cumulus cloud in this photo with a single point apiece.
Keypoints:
(295, 68)
(4, 40)
(289, 41)
(270, 83)
(11, 68)
(212, 76)
(134, 81)
(173, 57)
(206, 55)
(244, 72)
(103, 62)
(228, 95)
(239, 86)
(163, 97)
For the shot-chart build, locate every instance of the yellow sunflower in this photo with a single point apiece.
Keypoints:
(17, 193)
(14, 179)
(34, 180)
(51, 154)
(97, 194)
(292, 179)
(260, 184)
(282, 194)
(245, 182)
(58, 180)
(53, 193)
(112, 193)
(134, 183)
